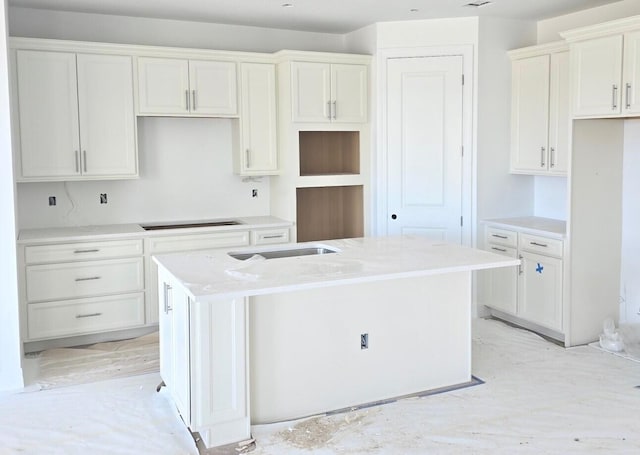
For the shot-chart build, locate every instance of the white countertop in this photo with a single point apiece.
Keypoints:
(533, 225)
(118, 231)
(213, 274)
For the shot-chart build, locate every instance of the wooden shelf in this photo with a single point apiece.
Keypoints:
(329, 152)
(329, 212)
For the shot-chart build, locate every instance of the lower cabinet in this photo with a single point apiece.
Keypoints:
(532, 292)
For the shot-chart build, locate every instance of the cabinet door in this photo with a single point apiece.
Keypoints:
(349, 91)
(530, 114)
(165, 326)
(213, 87)
(502, 282)
(181, 350)
(540, 290)
(311, 92)
(258, 150)
(596, 68)
(631, 73)
(48, 107)
(559, 116)
(107, 122)
(163, 86)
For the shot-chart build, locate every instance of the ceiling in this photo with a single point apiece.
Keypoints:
(329, 16)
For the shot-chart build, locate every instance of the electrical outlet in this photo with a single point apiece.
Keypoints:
(103, 198)
(254, 193)
(52, 200)
(364, 341)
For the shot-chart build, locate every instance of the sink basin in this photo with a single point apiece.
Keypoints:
(307, 250)
(155, 227)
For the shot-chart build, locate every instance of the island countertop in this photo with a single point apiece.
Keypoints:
(213, 274)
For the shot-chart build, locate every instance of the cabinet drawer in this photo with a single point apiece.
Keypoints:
(269, 236)
(501, 236)
(198, 242)
(541, 245)
(503, 250)
(76, 317)
(84, 279)
(82, 251)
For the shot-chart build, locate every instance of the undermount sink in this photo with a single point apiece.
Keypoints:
(154, 227)
(306, 250)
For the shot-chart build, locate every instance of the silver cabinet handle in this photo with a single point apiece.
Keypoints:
(248, 156)
(542, 150)
(614, 104)
(167, 290)
(77, 161)
(498, 249)
(538, 244)
(329, 110)
(186, 97)
(90, 315)
(90, 278)
(499, 236)
(85, 251)
(193, 95)
(627, 91)
(520, 265)
(84, 160)
(335, 110)
(552, 157)
(275, 236)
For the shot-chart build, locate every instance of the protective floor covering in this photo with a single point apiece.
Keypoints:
(539, 398)
(97, 362)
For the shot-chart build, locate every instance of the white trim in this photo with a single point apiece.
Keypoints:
(469, 158)
(616, 27)
(542, 49)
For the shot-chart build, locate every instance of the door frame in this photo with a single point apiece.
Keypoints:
(468, 160)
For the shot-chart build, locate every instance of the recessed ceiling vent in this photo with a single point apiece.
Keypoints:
(479, 3)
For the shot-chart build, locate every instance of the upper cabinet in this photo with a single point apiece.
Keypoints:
(329, 92)
(605, 68)
(168, 86)
(76, 116)
(257, 152)
(540, 121)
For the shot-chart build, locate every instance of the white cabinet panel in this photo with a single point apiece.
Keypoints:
(82, 316)
(502, 282)
(311, 91)
(213, 87)
(596, 68)
(258, 151)
(84, 251)
(107, 123)
(350, 92)
(540, 290)
(163, 86)
(559, 115)
(48, 110)
(270, 236)
(631, 85)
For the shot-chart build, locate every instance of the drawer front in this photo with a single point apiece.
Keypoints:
(77, 317)
(84, 251)
(503, 250)
(270, 236)
(84, 279)
(501, 236)
(541, 245)
(198, 242)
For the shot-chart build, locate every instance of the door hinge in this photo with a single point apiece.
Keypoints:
(462, 149)
(461, 222)
(463, 79)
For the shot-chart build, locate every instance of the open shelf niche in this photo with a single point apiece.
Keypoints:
(329, 212)
(329, 152)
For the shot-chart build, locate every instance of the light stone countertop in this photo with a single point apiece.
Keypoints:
(213, 274)
(132, 230)
(532, 225)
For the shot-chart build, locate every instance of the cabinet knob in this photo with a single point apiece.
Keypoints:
(394, 216)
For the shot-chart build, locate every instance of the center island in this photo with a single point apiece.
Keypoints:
(260, 335)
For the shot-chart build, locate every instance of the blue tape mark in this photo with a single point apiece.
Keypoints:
(539, 269)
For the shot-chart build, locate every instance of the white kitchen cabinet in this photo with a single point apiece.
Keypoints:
(532, 294)
(324, 92)
(257, 152)
(76, 116)
(171, 86)
(631, 73)
(540, 121)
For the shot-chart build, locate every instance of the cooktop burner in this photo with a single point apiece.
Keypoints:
(155, 227)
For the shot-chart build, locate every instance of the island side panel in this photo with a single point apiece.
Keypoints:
(305, 346)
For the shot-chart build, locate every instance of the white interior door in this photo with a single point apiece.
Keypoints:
(424, 147)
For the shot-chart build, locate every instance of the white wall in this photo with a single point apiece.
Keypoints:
(185, 174)
(499, 194)
(10, 367)
(549, 29)
(34, 23)
(630, 271)
(550, 197)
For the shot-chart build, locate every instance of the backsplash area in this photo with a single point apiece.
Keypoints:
(186, 173)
